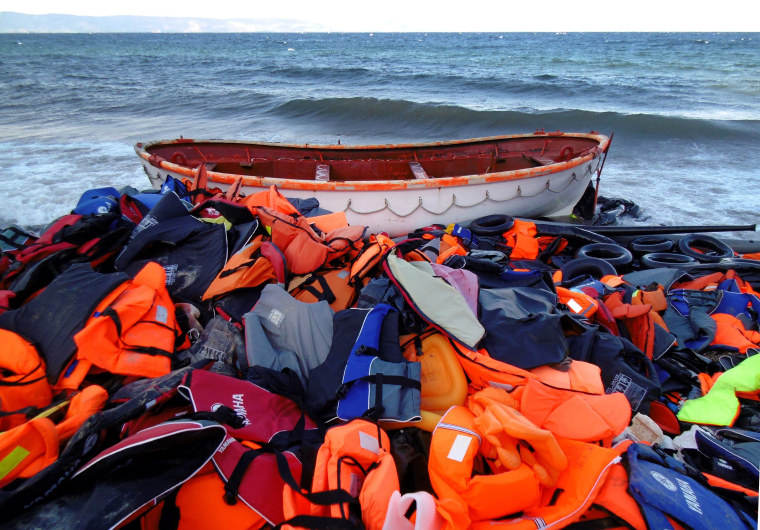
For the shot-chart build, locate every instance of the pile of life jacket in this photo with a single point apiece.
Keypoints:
(190, 357)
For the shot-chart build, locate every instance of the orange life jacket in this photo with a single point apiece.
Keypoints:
(503, 427)
(515, 498)
(332, 285)
(614, 496)
(22, 380)
(329, 221)
(484, 371)
(450, 246)
(706, 282)
(246, 268)
(640, 316)
(576, 415)
(305, 251)
(370, 256)
(355, 458)
(201, 505)
(577, 487)
(522, 238)
(133, 331)
(462, 497)
(443, 380)
(731, 331)
(31, 447)
(579, 303)
(270, 198)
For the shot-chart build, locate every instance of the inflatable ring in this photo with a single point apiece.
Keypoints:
(179, 159)
(656, 260)
(598, 268)
(704, 248)
(615, 255)
(491, 225)
(652, 243)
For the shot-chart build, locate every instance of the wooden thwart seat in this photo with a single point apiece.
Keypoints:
(418, 171)
(322, 173)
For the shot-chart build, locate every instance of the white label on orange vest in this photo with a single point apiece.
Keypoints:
(575, 306)
(369, 442)
(459, 447)
(162, 314)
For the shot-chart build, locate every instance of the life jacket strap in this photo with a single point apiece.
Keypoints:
(379, 380)
(326, 294)
(317, 523)
(232, 486)
(322, 498)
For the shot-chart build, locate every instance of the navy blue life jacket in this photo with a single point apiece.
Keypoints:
(98, 201)
(191, 252)
(662, 486)
(365, 372)
(625, 368)
(728, 453)
(523, 326)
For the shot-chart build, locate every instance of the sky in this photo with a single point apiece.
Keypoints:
(437, 15)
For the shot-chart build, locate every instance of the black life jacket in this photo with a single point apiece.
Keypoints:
(51, 319)
(624, 367)
(523, 326)
(191, 252)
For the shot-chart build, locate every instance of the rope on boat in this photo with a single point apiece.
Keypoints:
(487, 197)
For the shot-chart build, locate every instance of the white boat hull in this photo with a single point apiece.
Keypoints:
(398, 212)
(550, 186)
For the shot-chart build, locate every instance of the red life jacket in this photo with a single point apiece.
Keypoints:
(247, 468)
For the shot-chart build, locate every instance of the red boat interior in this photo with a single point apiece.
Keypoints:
(358, 163)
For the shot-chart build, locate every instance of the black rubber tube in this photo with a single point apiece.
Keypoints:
(594, 267)
(651, 243)
(666, 259)
(491, 225)
(615, 255)
(704, 248)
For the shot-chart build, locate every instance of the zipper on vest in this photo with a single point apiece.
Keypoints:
(592, 492)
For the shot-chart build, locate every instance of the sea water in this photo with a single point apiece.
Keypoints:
(684, 108)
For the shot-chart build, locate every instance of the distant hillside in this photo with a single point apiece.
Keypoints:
(21, 23)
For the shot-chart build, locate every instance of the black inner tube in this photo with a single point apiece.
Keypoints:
(491, 225)
(651, 243)
(666, 259)
(613, 254)
(704, 248)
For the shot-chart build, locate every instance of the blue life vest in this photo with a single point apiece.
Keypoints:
(371, 385)
(172, 184)
(98, 201)
(660, 485)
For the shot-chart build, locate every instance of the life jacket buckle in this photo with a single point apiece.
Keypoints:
(366, 350)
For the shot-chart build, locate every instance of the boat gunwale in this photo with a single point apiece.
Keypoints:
(378, 185)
